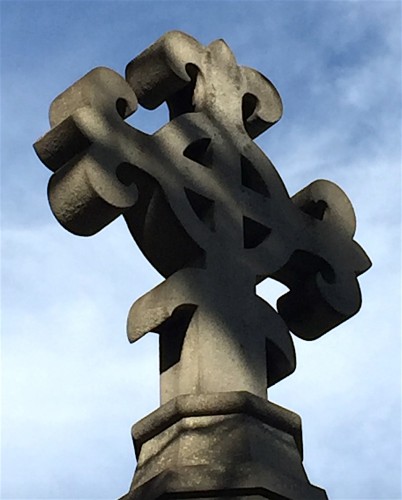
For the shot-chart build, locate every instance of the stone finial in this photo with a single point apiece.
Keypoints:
(209, 211)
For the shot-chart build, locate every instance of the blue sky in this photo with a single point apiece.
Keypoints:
(72, 385)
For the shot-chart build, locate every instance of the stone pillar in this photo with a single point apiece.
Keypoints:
(222, 445)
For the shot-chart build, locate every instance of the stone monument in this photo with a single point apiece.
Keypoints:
(211, 214)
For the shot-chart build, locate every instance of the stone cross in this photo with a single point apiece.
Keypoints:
(208, 210)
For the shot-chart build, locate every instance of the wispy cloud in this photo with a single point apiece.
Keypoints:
(72, 384)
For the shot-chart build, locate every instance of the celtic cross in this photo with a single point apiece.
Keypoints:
(208, 210)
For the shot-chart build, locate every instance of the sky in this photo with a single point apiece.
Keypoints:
(72, 385)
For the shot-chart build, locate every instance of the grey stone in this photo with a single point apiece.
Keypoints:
(225, 445)
(210, 212)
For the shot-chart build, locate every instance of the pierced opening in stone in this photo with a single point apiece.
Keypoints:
(149, 121)
(122, 107)
(182, 101)
(254, 233)
(315, 209)
(270, 290)
(251, 178)
(202, 206)
(199, 151)
(125, 173)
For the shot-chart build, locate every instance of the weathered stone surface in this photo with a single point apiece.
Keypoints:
(210, 212)
(228, 445)
(88, 188)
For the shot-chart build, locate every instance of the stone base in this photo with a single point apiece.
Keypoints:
(225, 445)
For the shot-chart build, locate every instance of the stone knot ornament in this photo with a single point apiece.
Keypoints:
(211, 214)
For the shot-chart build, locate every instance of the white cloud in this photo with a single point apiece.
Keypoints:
(72, 384)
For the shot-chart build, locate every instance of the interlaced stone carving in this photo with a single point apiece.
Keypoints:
(208, 210)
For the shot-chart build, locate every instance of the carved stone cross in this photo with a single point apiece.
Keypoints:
(209, 211)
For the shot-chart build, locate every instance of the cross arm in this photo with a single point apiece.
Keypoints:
(322, 271)
(88, 188)
(189, 77)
